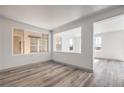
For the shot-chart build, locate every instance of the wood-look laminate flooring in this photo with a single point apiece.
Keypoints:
(50, 74)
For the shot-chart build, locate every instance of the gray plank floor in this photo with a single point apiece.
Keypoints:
(50, 74)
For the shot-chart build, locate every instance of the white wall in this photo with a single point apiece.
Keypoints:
(112, 47)
(1, 51)
(8, 60)
(122, 47)
(85, 59)
(1, 47)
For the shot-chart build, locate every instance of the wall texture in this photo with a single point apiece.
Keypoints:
(7, 60)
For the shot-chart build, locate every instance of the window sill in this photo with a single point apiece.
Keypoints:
(67, 52)
(97, 50)
(29, 54)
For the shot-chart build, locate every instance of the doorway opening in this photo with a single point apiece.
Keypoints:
(108, 48)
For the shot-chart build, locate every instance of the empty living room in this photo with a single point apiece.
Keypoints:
(61, 46)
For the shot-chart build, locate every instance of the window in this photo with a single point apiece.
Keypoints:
(98, 43)
(18, 38)
(68, 41)
(33, 45)
(26, 42)
(39, 44)
(58, 42)
(43, 43)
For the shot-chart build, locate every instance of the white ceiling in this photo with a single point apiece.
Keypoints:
(109, 25)
(48, 17)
